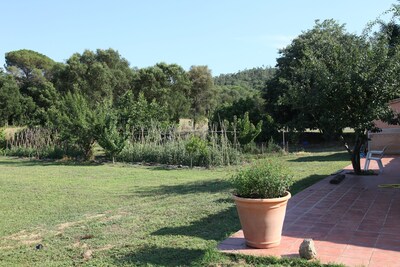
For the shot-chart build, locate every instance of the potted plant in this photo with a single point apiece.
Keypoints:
(261, 195)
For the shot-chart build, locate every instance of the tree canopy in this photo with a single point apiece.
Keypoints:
(99, 75)
(326, 79)
(167, 84)
(329, 79)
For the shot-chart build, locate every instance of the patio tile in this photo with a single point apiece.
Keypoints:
(349, 261)
(381, 263)
(352, 251)
(389, 244)
(235, 241)
(354, 223)
(395, 236)
(327, 258)
(363, 241)
(330, 251)
(382, 254)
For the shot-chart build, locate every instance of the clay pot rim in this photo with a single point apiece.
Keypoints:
(277, 199)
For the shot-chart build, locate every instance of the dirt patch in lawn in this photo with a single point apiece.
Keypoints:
(25, 237)
(61, 227)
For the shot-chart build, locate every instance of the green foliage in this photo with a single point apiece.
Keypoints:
(226, 95)
(171, 147)
(109, 135)
(100, 76)
(13, 106)
(273, 147)
(254, 78)
(329, 79)
(45, 97)
(76, 121)
(138, 112)
(3, 139)
(254, 107)
(166, 84)
(263, 179)
(33, 72)
(27, 65)
(201, 91)
(196, 145)
(333, 79)
(242, 130)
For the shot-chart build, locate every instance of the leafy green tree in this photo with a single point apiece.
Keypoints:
(33, 72)
(28, 66)
(168, 85)
(242, 130)
(254, 107)
(330, 79)
(138, 112)
(45, 97)
(110, 135)
(76, 121)
(13, 106)
(251, 105)
(226, 95)
(101, 75)
(251, 79)
(201, 91)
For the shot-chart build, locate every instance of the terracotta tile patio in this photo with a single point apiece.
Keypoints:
(355, 223)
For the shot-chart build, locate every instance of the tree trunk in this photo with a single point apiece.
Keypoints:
(355, 153)
(355, 158)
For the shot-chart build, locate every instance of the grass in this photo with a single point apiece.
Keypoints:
(124, 215)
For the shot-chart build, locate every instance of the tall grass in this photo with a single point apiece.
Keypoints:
(34, 142)
(172, 147)
(155, 144)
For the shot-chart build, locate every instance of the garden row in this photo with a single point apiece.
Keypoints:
(156, 144)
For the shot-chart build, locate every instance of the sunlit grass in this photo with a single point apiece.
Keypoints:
(102, 215)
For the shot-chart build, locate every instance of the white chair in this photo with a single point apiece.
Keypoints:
(377, 156)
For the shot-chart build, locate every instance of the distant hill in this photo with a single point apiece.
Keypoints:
(254, 78)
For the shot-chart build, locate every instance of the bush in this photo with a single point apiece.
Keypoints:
(264, 179)
(272, 147)
(196, 146)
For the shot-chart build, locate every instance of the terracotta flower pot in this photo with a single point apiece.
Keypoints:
(262, 220)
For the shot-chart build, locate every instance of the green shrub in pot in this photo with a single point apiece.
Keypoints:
(261, 196)
(266, 178)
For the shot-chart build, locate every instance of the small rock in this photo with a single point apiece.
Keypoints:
(307, 249)
(87, 255)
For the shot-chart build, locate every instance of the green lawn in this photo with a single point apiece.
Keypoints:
(102, 215)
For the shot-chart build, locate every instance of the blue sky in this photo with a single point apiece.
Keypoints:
(226, 35)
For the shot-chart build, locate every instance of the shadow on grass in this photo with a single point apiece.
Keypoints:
(343, 156)
(210, 186)
(160, 256)
(25, 162)
(214, 227)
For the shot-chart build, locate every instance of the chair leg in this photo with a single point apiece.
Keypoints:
(380, 165)
(366, 166)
